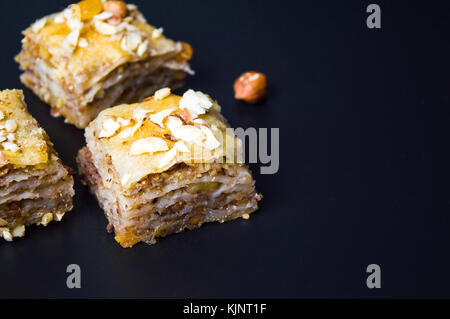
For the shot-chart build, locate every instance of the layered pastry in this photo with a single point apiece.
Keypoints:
(164, 165)
(96, 54)
(35, 188)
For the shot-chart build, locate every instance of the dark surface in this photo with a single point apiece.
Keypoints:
(364, 173)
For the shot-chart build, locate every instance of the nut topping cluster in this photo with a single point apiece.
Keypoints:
(186, 129)
(110, 18)
(7, 137)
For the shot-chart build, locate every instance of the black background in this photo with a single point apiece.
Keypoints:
(364, 159)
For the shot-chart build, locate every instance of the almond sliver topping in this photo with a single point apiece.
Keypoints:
(109, 128)
(148, 145)
(123, 122)
(71, 41)
(159, 117)
(39, 24)
(11, 126)
(189, 134)
(10, 146)
(142, 48)
(196, 103)
(105, 28)
(139, 114)
(173, 122)
(105, 15)
(131, 42)
(211, 142)
(157, 33)
(182, 147)
(162, 94)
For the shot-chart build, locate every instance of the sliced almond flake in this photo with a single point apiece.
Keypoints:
(182, 147)
(142, 48)
(8, 146)
(196, 103)
(109, 128)
(59, 18)
(173, 122)
(140, 114)
(126, 133)
(2, 139)
(19, 231)
(2, 115)
(157, 33)
(11, 137)
(159, 117)
(189, 134)
(74, 24)
(105, 15)
(131, 7)
(162, 94)
(123, 122)
(11, 126)
(130, 27)
(148, 145)
(39, 24)
(131, 41)
(71, 40)
(46, 219)
(105, 28)
(117, 37)
(59, 216)
(169, 159)
(211, 142)
(6, 234)
(200, 122)
(67, 13)
(83, 43)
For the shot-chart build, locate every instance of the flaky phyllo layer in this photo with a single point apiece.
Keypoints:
(86, 58)
(35, 188)
(165, 164)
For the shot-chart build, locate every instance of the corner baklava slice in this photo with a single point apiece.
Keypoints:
(164, 165)
(35, 188)
(96, 54)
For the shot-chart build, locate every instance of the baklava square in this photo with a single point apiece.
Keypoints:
(164, 165)
(96, 54)
(35, 188)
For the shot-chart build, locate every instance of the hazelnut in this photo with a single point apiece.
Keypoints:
(250, 87)
(118, 8)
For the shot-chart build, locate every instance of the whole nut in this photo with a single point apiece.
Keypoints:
(251, 87)
(118, 8)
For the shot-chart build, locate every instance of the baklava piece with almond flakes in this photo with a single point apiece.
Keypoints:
(164, 165)
(97, 54)
(35, 188)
